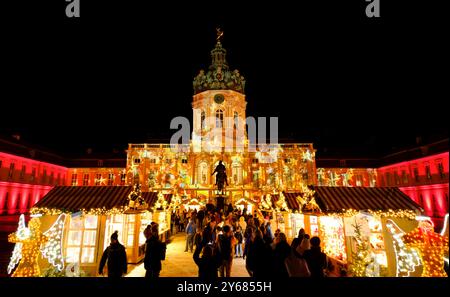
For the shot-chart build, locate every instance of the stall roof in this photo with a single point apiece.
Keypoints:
(90, 197)
(335, 199)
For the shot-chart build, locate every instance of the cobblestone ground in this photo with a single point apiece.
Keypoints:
(179, 263)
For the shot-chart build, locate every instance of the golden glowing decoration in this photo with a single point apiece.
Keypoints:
(431, 246)
(31, 242)
(408, 214)
(407, 258)
(332, 229)
(92, 211)
(219, 34)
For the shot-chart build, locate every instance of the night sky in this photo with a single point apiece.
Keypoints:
(123, 71)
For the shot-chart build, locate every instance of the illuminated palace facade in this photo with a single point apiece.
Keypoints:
(219, 107)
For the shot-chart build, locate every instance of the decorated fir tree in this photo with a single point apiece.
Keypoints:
(362, 257)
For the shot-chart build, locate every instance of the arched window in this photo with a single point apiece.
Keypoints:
(202, 120)
(202, 173)
(236, 119)
(219, 118)
(236, 174)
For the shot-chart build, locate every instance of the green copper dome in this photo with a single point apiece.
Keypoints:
(219, 75)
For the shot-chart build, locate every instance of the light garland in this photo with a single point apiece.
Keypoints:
(332, 229)
(401, 213)
(407, 258)
(432, 247)
(52, 250)
(22, 233)
(92, 211)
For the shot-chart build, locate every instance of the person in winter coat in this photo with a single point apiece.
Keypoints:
(191, 229)
(154, 253)
(316, 259)
(225, 246)
(303, 246)
(259, 257)
(298, 240)
(116, 257)
(239, 239)
(281, 252)
(208, 263)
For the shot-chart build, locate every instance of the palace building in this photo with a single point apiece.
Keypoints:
(219, 116)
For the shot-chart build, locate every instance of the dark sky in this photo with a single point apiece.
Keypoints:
(124, 70)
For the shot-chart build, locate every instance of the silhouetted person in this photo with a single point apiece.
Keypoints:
(208, 263)
(316, 259)
(154, 252)
(116, 258)
(296, 241)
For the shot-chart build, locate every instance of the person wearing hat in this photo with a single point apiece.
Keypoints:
(116, 258)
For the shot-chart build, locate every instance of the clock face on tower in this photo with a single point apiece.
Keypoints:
(219, 98)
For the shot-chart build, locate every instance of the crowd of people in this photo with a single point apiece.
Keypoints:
(216, 237)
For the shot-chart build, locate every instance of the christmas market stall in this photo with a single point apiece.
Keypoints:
(245, 205)
(76, 224)
(365, 231)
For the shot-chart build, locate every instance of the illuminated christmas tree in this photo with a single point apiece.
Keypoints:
(362, 257)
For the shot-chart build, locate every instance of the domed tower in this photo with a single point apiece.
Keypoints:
(218, 104)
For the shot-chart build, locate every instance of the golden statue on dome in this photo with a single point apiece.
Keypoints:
(219, 34)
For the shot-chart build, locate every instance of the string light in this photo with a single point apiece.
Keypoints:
(28, 265)
(407, 258)
(401, 213)
(92, 211)
(22, 233)
(52, 249)
(431, 246)
(332, 229)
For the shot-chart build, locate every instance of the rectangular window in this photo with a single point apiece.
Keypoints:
(255, 161)
(428, 171)
(1, 163)
(86, 179)
(152, 161)
(416, 174)
(396, 178)
(388, 179)
(404, 177)
(22, 172)
(51, 177)
(81, 239)
(440, 168)
(11, 170)
(33, 175)
(74, 181)
(110, 179)
(123, 178)
(44, 176)
(98, 179)
(58, 179)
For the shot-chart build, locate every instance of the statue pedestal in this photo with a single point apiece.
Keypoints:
(220, 202)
